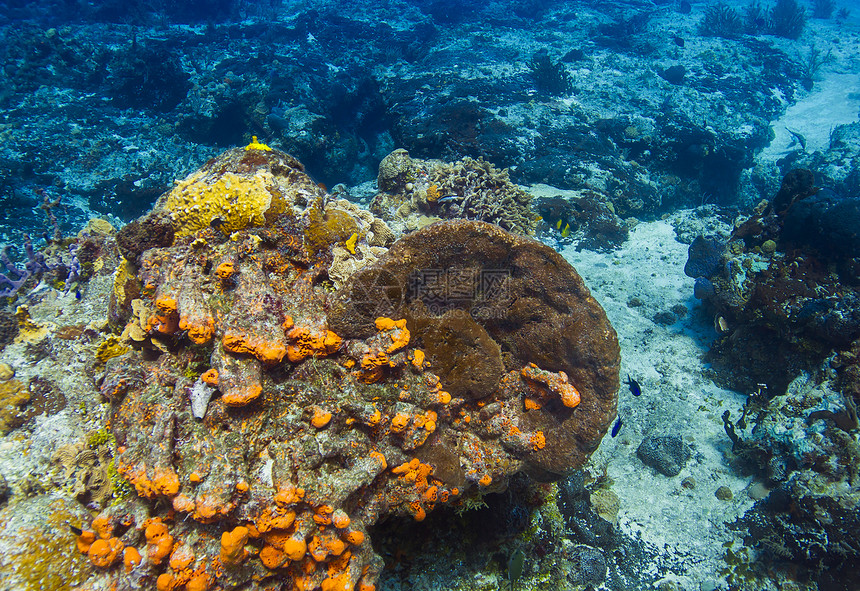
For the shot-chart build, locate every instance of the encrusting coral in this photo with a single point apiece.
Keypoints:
(13, 396)
(259, 185)
(267, 421)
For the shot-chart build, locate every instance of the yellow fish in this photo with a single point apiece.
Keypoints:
(566, 232)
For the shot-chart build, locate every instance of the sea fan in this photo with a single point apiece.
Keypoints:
(721, 20)
(787, 19)
(823, 8)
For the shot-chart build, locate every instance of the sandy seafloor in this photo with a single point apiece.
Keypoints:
(687, 524)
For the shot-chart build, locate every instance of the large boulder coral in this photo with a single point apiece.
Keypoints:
(531, 303)
(266, 421)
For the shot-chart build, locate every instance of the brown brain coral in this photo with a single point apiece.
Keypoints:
(273, 466)
(528, 299)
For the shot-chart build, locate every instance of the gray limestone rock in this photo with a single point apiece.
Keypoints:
(667, 454)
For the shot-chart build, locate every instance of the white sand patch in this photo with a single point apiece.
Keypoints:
(686, 524)
(835, 100)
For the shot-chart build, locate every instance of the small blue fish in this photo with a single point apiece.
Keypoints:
(78, 294)
(635, 389)
(616, 427)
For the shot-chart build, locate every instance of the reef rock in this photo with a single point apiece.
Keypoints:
(802, 446)
(267, 421)
(415, 192)
(783, 287)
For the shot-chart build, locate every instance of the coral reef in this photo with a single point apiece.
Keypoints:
(585, 218)
(266, 422)
(801, 446)
(416, 192)
(781, 288)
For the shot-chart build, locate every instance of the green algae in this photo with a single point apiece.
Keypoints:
(41, 554)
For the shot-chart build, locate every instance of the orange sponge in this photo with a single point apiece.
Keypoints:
(233, 545)
(159, 542)
(104, 553)
(555, 382)
(307, 343)
(266, 350)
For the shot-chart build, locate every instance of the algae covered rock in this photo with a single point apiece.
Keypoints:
(38, 547)
(668, 454)
(267, 421)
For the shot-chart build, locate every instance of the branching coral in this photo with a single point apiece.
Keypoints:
(418, 191)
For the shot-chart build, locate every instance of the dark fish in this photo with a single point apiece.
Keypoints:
(616, 427)
(796, 138)
(635, 389)
(685, 7)
(515, 565)
(78, 294)
(75, 530)
(679, 41)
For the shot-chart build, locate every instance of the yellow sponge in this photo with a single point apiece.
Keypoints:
(237, 201)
